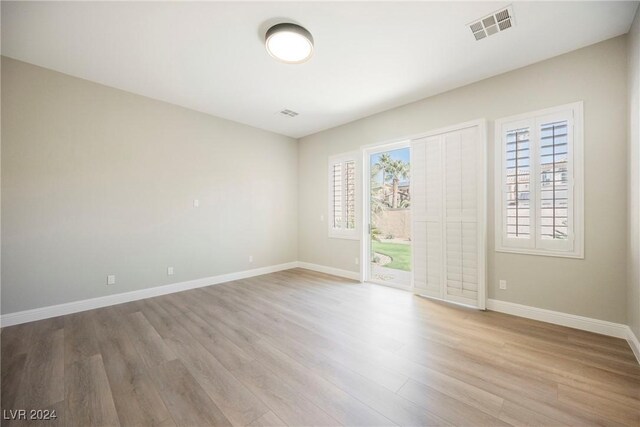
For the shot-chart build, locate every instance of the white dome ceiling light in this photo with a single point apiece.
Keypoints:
(289, 43)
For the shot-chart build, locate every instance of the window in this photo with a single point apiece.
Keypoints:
(539, 183)
(342, 196)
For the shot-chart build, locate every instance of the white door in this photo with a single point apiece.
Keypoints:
(448, 179)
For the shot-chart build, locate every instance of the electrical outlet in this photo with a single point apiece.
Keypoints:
(169, 271)
(196, 203)
(250, 258)
(503, 284)
(321, 218)
(357, 260)
(111, 279)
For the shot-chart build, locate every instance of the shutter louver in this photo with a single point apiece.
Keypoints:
(337, 196)
(350, 195)
(554, 182)
(343, 200)
(518, 170)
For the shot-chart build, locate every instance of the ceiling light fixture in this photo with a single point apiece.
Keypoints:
(289, 43)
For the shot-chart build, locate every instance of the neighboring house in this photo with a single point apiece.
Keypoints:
(385, 194)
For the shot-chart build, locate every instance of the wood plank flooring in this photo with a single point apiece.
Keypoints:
(303, 348)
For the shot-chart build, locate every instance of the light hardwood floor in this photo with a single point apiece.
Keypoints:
(302, 348)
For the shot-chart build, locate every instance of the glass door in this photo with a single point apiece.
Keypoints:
(390, 246)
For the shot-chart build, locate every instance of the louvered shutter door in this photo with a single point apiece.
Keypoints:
(426, 182)
(448, 213)
(461, 216)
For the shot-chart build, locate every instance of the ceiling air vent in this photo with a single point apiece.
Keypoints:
(288, 113)
(492, 24)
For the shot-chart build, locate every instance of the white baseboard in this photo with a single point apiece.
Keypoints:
(25, 316)
(603, 327)
(354, 275)
(634, 343)
(617, 330)
(573, 321)
(89, 304)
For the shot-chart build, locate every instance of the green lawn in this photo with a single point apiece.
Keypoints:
(400, 254)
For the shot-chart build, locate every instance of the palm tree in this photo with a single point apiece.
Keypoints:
(384, 161)
(377, 191)
(393, 170)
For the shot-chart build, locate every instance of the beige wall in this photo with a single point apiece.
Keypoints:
(593, 287)
(97, 181)
(633, 299)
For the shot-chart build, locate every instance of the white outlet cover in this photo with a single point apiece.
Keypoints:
(503, 284)
(250, 258)
(196, 203)
(169, 271)
(111, 279)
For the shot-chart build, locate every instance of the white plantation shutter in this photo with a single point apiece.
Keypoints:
(426, 204)
(540, 166)
(350, 194)
(337, 199)
(555, 189)
(342, 196)
(448, 213)
(518, 177)
(516, 174)
(461, 208)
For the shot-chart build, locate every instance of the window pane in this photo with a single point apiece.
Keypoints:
(554, 194)
(517, 183)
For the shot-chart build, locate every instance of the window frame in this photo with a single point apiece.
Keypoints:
(344, 233)
(573, 247)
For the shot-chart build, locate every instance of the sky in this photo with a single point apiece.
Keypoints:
(399, 154)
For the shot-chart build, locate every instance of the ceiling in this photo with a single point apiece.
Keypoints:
(369, 57)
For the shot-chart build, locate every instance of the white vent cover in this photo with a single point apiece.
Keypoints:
(492, 24)
(288, 113)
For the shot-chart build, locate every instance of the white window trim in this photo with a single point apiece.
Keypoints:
(576, 166)
(354, 233)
